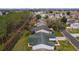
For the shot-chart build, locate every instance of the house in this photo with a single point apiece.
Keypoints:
(57, 15)
(40, 23)
(1, 13)
(38, 12)
(42, 37)
(74, 14)
(75, 25)
(43, 15)
(42, 28)
(4, 12)
(40, 41)
(51, 16)
(39, 26)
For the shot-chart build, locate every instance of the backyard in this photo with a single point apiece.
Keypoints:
(22, 44)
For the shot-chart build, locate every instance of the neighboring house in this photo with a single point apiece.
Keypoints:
(40, 23)
(1, 13)
(41, 28)
(57, 15)
(75, 25)
(75, 14)
(43, 15)
(39, 12)
(51, 16)
(70, 21)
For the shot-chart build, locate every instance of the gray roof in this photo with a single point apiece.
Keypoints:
(39, 38)
(41, 27)
(40, 23)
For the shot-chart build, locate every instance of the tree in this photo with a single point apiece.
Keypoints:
(38, 16)
(46, 17)
(50, 11)
(57, 25)
(12, 22)
(64, 20)
(68, 13)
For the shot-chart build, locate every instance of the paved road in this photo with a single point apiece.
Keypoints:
(74, 42)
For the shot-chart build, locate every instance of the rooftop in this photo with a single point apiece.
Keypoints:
(40, 38)
(44, 27)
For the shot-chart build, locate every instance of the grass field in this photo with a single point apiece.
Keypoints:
(58, 34)
(21, 45)
(65, 46)
(1, 47)
(77, 38)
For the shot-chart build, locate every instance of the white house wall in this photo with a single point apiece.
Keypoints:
(75, 25)
(44, 31)
(40, 46)
(52, 39)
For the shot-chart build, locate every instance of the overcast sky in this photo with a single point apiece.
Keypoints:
(39, 3)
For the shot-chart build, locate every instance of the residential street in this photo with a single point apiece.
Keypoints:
(74, 42)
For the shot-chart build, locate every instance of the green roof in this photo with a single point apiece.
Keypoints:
(39, 38)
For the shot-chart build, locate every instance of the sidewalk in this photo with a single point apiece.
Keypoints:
(75, 35)
(63, 38)
(60, 38)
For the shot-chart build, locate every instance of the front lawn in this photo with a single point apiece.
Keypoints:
(73, 31)
(58, 34)
(65, 46)
(77, 38)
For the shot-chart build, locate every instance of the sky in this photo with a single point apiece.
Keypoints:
(39, 3)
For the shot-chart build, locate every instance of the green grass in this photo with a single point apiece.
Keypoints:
(13, 19)
(77, 38)
(21, 45)
(65, 46)
(1, 47)
(58, 34)
(73, 31)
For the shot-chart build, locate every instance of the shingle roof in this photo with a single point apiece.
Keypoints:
(41, 27)
(39, 38)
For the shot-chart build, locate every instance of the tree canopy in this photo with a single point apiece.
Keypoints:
(38, 16)
(11, 22)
